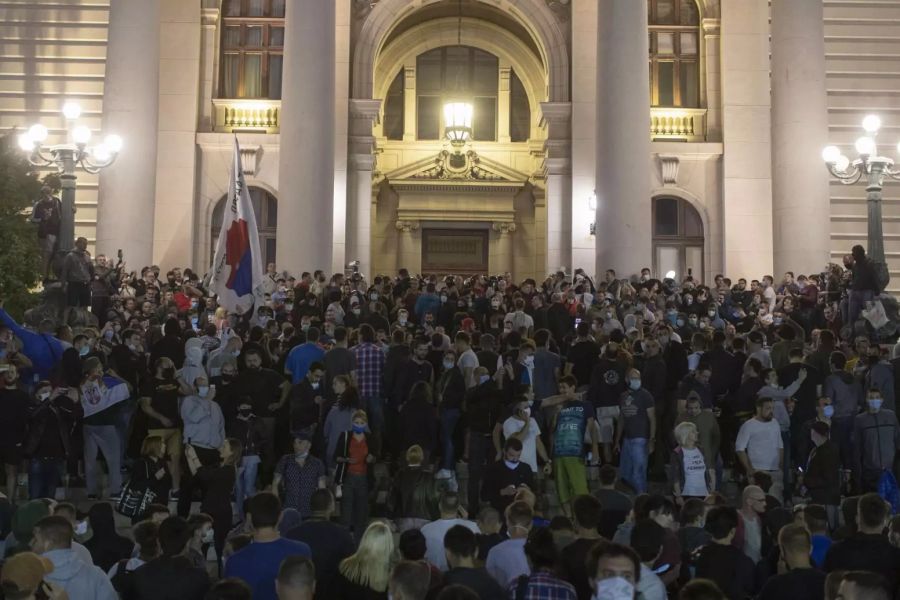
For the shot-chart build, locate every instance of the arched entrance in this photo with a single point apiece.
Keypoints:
(678, 238)
(265, 209)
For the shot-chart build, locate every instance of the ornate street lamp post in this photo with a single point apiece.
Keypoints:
(68, 158)
(874, 169)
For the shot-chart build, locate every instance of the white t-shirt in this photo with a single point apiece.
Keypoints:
(694, 473)
(467, 360)
(762, 441)
(434, 539)
(512, 426)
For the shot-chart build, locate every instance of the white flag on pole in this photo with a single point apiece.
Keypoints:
(237, 271)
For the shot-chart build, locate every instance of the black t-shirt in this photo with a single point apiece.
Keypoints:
(163, 394)
(607, 382)
(729, 568)
(330, 544)
(799, 584)
(478, 580)
(217, 483)
(264, 388)
(51, 443)
(304, 410)
(14, 404)
(486, 542)
(583, 356)
(574, 569)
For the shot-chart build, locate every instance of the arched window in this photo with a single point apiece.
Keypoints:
(519, 110)
(677, 238)
(394, 112)
(674, 53)
(252, 47)
(265, 208)
(455, 72)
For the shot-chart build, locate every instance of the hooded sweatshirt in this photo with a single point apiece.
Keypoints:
(81, 582)
(877, 438)
(845, 392)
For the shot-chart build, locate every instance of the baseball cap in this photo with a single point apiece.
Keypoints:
(24, 572)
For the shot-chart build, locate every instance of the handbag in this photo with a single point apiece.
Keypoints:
(134, 501)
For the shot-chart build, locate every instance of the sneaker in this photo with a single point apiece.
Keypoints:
(444, 474)
(174, 495)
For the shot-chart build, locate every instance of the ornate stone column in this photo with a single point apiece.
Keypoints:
(363, 114)
(623, 139)
(127, 195)
(556, 118)
(799, 132)
(306, 154)
(406, 249)
(503, 253)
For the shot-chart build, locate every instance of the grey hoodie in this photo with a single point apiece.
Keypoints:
(81, 582)
(845, 392)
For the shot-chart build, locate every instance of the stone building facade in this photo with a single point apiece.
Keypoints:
(683, 135)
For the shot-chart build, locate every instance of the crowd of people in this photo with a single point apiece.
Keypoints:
(452, 437)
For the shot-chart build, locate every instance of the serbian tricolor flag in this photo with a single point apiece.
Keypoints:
(97, 396)
(237, 273)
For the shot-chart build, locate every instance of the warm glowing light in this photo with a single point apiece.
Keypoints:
(865, 146)
(458, 122)
(831, 154)
(81, 135)
(670, 275)
(842, 163)
(101, 153)
(872, 123)
(113, 142)
(38, 133)
(71, 110)
(25, 142)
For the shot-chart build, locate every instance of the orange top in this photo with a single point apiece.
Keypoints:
(359, 450)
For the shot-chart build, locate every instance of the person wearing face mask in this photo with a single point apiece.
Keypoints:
(482, 407)
(159, 401)
(504, 478)
(880, 375)
(15, 405)
(876, 436)
(635, 432)
(204, 429)
(523, 427)
(299, 475)
(202, 535)
(822, 474)
(306, 401)
(230, 350)
(608, 383)
(101, 400)
(506, 561)
(244, 428)
(354, 459)
(450, 390)
(48, 438)
(614, 571)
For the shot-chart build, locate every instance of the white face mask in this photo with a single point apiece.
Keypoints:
(614, 588)
(81, 528)
(448, 364)
(208, 536)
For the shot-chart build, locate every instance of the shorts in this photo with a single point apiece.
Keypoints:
(78, 294)
(172, 438)
(606, 420)
(11, 455)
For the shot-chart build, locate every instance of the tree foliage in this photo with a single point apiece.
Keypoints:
(20, 259)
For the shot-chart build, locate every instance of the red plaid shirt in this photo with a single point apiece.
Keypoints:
(544, 586)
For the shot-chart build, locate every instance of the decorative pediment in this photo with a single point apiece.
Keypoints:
(449, 169)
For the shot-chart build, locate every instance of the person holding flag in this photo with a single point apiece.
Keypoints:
(101, 398)
(237, 276)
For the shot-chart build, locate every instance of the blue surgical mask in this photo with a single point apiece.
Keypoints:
(828, 411)
(84, 351)
(202, 391)
(875, 403)
(484, 379)
(634, 384)
(359, 429)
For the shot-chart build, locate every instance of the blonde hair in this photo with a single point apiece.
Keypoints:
(371, 565)
(360, 414)
(683, 430)
(151, 445)
(415, 455)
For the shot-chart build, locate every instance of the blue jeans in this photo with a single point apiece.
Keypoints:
(633, 463)
(106, 439)
(449, 419)
(44, 475)
(245, 484)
